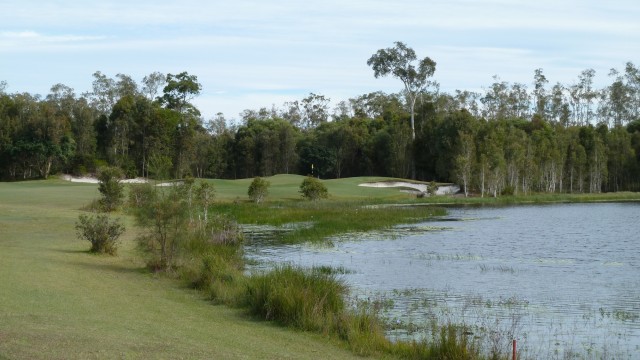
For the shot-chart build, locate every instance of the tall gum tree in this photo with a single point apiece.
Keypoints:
(400, 62)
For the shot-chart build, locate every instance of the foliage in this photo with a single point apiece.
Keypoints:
(397, 61)
(110, 187)
(165, 217)
(102, 232)
(313, 189)
(304, 299)
(258, 190)
(564, 138)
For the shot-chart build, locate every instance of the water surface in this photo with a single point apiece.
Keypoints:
(563, 279)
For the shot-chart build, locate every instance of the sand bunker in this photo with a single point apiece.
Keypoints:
(93, 180)
(413, 187)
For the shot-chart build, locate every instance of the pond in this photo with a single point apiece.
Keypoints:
(562, 279)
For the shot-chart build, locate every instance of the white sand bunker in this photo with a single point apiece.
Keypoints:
(93, 180)
(414, 188)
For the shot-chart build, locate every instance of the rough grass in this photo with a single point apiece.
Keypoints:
(57, 301)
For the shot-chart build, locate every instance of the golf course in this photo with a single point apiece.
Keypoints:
(58, 301)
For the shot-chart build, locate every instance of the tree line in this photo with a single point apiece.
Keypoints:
(509, 139)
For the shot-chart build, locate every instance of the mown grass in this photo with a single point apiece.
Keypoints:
(58, 301)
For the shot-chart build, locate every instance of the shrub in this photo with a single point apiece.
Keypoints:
(110, 187)
(140, 195)
(165, 217)
(312, 189)
(258, 190)
(102, 232)
(508, 191)
(433, 188)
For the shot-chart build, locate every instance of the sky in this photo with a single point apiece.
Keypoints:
(250, 54)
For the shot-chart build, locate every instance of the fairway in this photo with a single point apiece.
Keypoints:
(57, 301)
(286, 187)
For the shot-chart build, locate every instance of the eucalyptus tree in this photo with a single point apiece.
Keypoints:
(582, 96)
(559, 110)
(126, 86)
(632, 77)
(615, 102)
(401, 62)
(104, 94)
(178, 92)
(496, 100)
(152, 83)
(464, 161)
(541, 98)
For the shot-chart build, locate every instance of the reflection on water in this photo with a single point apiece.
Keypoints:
(564, 279)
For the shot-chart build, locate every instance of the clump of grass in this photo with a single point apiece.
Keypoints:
(363, 332)
(213, 262)
(303, 299)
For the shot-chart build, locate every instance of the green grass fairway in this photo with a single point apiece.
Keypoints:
(57, 301)
(286, 187)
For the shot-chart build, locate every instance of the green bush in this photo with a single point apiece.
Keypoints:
(312, 189)
(110, 187)
(165, 222)
(508, 191)
(102, 232)
(258, 190)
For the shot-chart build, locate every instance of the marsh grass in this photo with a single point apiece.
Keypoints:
(535, 199)
(305, 299)
(326, 218)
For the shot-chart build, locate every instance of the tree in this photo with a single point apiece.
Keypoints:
(464, 161)
(258, 190)
(104, 93)
(102, 232)
(398, 62)
(180, 89)
(152, 83)
(110, 187)
(205, 194)
(165, 217)
(178, 92)
(312, 189)
(540, 95)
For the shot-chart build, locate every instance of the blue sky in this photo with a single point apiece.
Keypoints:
(250, 54)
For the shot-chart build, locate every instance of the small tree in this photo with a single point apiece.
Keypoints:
(259, 189)
(101, 232)
(205, 193)
(110, 187)
(312, 189)
(165, 217)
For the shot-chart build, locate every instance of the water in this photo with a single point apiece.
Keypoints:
(562, 279)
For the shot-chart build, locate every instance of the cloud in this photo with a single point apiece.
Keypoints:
(258, 53)
(19, 41)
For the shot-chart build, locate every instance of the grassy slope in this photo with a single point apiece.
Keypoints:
(58, 301)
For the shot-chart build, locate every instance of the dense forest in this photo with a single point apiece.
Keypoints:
(511, 138)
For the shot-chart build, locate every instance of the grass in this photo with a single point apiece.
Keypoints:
(57, 301)
(327, 218)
